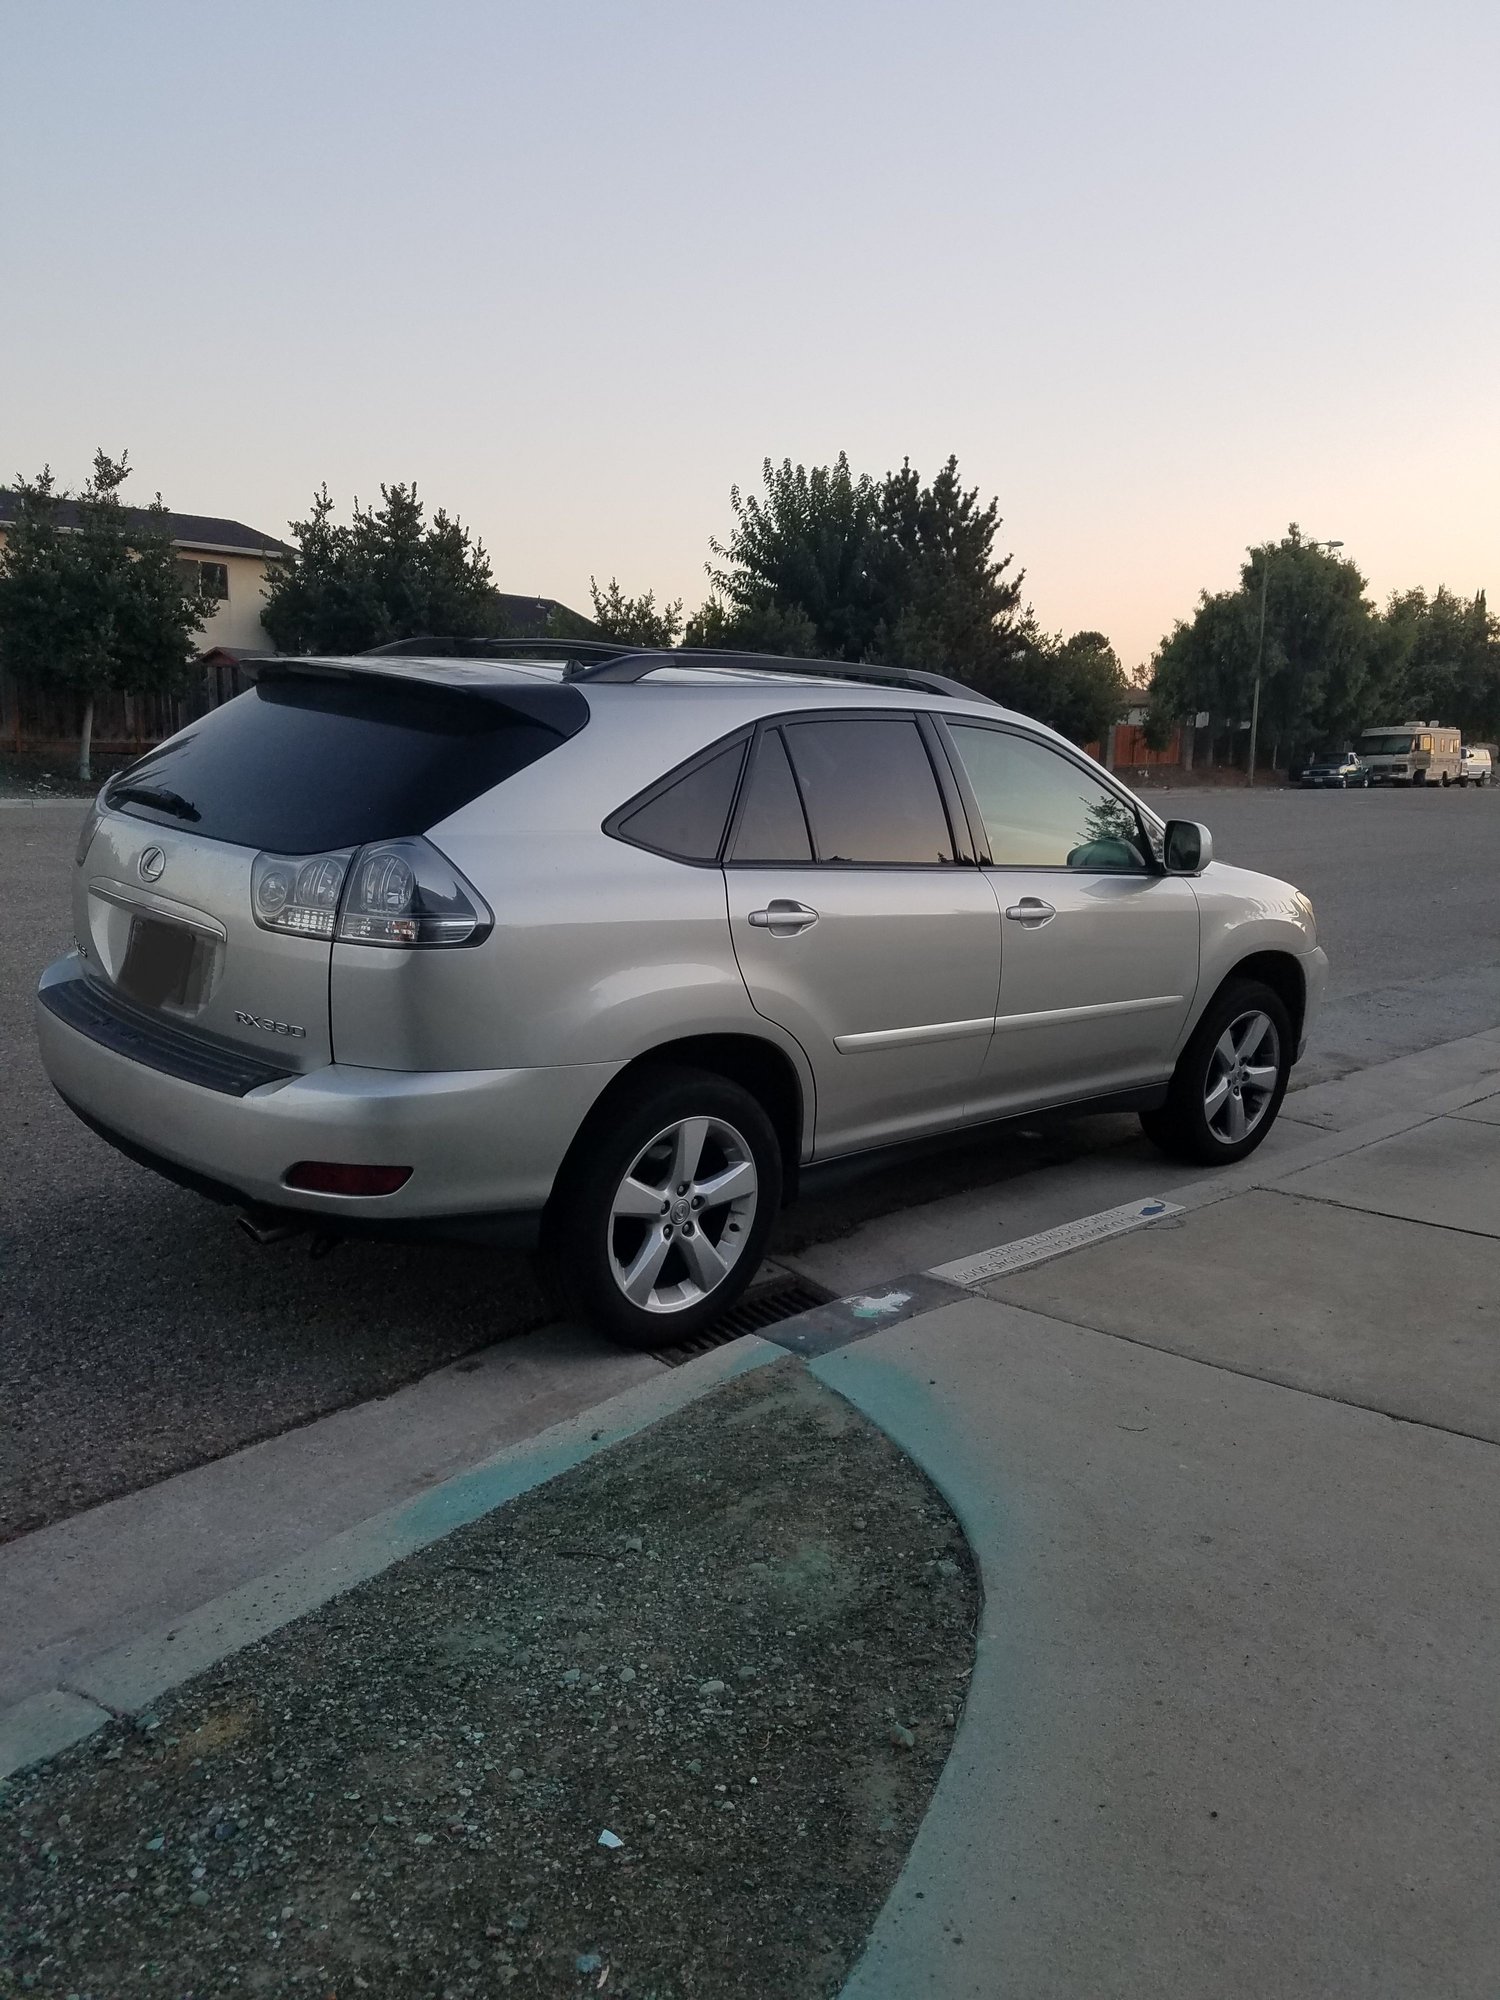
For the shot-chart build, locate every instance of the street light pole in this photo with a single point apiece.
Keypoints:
(1260, 649)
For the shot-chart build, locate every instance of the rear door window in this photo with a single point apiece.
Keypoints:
(870, 791)
(771, 826)
(303, 763)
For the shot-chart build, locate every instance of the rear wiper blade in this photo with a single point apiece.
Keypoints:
(152, 795)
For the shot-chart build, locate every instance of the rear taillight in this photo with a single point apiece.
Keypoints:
(400, 893)
(298, 893)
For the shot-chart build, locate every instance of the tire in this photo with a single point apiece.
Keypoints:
(629, 1207)
(1185, 1127)
(1446, 781)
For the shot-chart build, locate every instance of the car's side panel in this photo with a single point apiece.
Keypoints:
(891, 990)
(1094, 999)
(601, 952)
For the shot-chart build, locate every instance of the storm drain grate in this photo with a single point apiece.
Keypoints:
(767, 1305)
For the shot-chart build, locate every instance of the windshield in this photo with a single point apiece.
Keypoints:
(1385, 746)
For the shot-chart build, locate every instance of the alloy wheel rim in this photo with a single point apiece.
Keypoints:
(1243, 1072)
(681, 1215)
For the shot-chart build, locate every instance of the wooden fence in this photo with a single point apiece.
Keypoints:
(45, 722)
(1131, 751)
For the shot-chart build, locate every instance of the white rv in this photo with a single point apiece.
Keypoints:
(1411, 753)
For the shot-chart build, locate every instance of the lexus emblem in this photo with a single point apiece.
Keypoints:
(151, 864)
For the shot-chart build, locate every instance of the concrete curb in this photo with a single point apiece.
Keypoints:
(125, 1681)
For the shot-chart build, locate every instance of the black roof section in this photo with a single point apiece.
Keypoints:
(188, 531)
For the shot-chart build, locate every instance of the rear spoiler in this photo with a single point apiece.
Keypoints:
(553, 703)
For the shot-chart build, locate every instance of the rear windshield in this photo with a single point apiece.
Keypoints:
(298, 765)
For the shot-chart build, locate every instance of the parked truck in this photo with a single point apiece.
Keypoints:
(1412, 753)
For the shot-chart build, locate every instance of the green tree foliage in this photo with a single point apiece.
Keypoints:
(808, 546)
(830, 565)
(635, 621)
(1333, 664)
(762, 627)
(1077, 685)
(391, 573)
(92, 596)
(1323, 656)
(1441, 662)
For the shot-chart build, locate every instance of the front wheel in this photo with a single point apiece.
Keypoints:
(1230, 1079)
(660, 1216)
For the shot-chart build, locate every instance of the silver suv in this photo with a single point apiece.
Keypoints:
(617, 943)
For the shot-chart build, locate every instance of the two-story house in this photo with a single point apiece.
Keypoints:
(228, 561)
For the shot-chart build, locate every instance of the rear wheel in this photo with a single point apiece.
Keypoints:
(1230, 1079)
(661, 1214)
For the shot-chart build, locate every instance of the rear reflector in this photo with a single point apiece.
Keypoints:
(333, 1177)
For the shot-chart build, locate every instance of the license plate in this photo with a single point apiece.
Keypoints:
(159, 964)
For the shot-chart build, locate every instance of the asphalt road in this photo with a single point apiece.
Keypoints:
(141, 1332)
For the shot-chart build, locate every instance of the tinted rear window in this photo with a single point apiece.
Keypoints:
(869, 790)
(771, 826)
(300, 765)
(687, 819)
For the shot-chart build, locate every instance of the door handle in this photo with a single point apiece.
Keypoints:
(1032, 912)
(783, 918)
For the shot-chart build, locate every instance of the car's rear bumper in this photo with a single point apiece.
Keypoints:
(478, 1142)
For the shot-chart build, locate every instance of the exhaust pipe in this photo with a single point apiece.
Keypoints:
(269, 1225)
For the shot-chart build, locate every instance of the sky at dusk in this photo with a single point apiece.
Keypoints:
(1164, 277)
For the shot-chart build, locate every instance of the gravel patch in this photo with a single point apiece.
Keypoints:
(665, 1727)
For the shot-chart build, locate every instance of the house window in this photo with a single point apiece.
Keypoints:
(209, 579)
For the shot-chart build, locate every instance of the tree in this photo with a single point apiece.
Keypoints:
(764, 626)
(806, 552)
(1321, 658)
(389, 574)
(1076, 685)
(837, 566)
(92, 596)
(1441, 660)
(944, 599)
(635, 621)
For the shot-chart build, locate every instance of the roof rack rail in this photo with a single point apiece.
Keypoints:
(434, 648)
(634, 665)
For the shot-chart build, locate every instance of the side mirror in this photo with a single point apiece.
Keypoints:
(1188, 847)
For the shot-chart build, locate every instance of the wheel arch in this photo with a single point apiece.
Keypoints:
(755, 1063)
(1280, 971)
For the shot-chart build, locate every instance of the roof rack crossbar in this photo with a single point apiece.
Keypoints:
(635, 666)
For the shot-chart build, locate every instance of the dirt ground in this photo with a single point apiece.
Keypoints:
(664, 1727)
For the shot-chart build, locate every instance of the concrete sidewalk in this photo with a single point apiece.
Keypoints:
(1233, 1487)
(1233, 1728)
